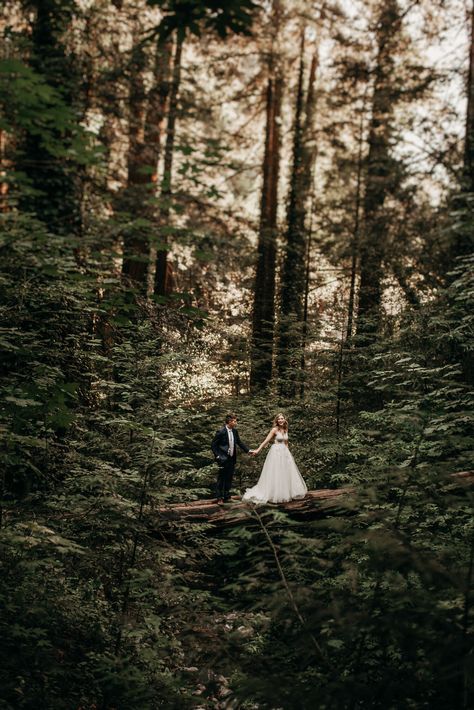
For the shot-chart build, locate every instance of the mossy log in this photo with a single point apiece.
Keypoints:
(316, 504)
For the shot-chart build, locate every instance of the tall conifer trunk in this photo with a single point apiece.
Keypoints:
(293, 280)
(463, 238)
(263, 323)
(163, 280)
(355, 230)
(379, 179)
(147, 111)
(293, 271)
(306, 196)
(304, 335)
(469, 139)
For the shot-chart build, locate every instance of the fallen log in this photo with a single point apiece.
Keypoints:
(314, 504)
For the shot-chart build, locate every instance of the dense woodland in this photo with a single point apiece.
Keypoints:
(252, 206)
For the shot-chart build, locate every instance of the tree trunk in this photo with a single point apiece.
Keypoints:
(309, 150)
(294, 266)
(469, 139)
(463, 237)
(263, 323)
(147, 111)
(379, 179)
(163, 276)
(356, 230)
(304, 338)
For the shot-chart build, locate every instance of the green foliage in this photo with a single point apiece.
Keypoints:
(106, 419)
(92, 597)
(222, 16)
(30, 104)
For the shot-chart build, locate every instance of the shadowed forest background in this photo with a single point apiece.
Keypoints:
(252, 206)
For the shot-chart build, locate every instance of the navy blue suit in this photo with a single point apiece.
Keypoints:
(226, 463)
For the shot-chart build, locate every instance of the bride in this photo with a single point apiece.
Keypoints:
(280, 480)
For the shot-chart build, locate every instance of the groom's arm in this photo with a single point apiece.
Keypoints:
(240, 443)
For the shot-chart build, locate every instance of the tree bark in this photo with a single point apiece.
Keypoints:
(463, 238)
(356, 230)
(163, 276)
(315, 504)
(469, 137)
(309, 150)
(304, 335)
(263, 323)
(147, 111)
(294, 265)
(380, 176)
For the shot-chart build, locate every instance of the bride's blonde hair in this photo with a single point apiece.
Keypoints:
(285, 422)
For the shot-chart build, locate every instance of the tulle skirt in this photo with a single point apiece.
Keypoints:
(280, 480)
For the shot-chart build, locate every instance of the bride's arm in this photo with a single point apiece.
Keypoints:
(270, 436)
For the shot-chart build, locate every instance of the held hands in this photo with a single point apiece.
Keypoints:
(254, 452)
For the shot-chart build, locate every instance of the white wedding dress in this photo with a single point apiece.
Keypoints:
(280, 480)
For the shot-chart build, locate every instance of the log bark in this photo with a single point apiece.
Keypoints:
(315, 504)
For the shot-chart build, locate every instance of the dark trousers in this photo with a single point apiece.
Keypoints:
(224, 479)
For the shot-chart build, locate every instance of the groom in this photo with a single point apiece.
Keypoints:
(224, 447)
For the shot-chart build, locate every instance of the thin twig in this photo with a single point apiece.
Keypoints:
(291, 597)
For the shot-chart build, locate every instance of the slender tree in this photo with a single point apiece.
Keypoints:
(309, 152)
(293, 269)
(163, 276)
(356, 229)
(469, 136)
(463, 238)
(293, 279)
(263, 323)
(147, 111)
(381, 174)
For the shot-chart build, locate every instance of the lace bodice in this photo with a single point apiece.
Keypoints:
(280, 438)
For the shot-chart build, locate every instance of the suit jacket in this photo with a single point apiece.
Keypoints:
(220, 445)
